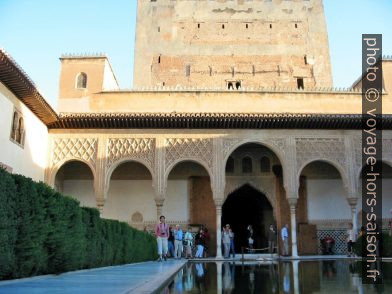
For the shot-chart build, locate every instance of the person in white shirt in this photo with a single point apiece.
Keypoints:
(188, 238)
(351, 239)
(285, 239)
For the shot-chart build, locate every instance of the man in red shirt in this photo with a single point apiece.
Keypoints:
(162, 233)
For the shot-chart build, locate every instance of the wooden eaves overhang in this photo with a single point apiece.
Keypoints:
(17, 81)
(211, 121)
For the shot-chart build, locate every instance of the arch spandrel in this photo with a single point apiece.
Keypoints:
(69, 149)
(198, 150)
(330, 150)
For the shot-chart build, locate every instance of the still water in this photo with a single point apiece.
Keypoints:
(328, 276)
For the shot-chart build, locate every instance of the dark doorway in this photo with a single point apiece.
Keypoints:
(247, 206)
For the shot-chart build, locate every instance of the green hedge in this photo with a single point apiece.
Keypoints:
(43, 232)
(386, 245)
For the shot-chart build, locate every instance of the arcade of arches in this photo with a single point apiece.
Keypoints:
(201, 182)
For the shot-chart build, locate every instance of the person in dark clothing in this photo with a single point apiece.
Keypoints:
(271, 239)
(251, 239)
(200, 243)
(171, 242)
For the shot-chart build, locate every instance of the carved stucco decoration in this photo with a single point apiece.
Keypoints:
(84, 149)
(386, 152)
(265, 185)
(189, 148)
(329, 149)
(139, 149)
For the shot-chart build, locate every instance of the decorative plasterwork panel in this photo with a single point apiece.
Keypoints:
(386, 152)
(75, 148)
(131, 148)
(189, 148)
(330, 149)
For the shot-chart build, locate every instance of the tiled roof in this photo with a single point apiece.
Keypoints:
(212, 121)
(17, 81)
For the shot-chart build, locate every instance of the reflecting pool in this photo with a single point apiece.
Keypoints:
(327, 276)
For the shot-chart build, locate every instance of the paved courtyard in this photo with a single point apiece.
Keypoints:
(133, 278)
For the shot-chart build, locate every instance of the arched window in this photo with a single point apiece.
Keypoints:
(265, 164)
(20, 131)
(230, 165)
(14, 125)
(81, 81)
(238, 85)
(230, 86)
(247, 165)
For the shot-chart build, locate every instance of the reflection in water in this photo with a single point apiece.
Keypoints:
(332, 276)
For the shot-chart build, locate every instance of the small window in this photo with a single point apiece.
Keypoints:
(198, 26)
(305, 60)
(210, 69)
(230, 86)
(159, 59)
(247, 165)
(14, 125)
(81, 81)
(232, 71)
(18, 130)
(247, 26)
(270, 26)
(223, 26)
(238, 85)
(300, 83)
(230, 165)
(265, 164)
(188, 70)
(296, 26)
(159, 29)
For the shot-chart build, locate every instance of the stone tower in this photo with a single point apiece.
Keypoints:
(232, 43)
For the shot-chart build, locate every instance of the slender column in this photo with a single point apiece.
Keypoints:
(295, 276)
(218, 206)
(100, 204)
(294, 248)
(101, 184)
(219, 277)
(353, 205)
(159, 204)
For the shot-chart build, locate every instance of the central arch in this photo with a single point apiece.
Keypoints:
(248, 206)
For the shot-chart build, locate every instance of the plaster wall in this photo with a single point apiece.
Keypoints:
(31, 158)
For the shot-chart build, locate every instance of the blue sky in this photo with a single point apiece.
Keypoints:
(37, 32)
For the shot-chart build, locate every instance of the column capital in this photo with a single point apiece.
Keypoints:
(159, 201)
(218, 202)
(352, 201)
(292, 202)
(100, 204)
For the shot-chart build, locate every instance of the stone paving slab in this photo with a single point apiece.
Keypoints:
(144, 277)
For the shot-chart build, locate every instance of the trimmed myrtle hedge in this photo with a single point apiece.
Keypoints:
(386, 245)
(42, 232)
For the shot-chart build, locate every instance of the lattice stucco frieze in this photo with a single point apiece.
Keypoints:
(75, 148)
(132, 148)
(195, 148)
(332, 149)
(386, 151)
